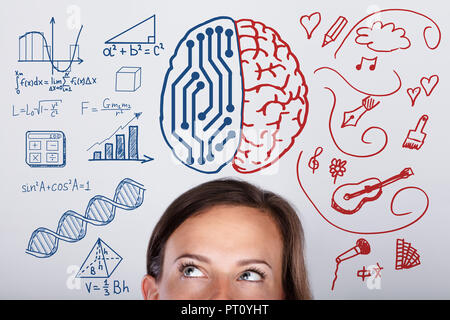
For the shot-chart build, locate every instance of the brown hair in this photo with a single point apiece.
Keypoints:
(235, 192)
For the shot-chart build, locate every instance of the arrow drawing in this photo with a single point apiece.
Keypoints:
(52, 22)
(135, 117)
(118, 152)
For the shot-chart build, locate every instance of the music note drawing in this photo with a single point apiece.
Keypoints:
(313, 163)
(372, 66)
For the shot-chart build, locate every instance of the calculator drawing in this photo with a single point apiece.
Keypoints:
(45, 149)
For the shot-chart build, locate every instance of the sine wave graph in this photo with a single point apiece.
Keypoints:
(72, 226)
(34, 47)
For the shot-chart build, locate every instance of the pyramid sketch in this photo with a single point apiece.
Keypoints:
(141, 33)
(100, 262)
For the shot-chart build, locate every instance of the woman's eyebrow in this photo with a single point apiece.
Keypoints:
(245, 262)
(194, 256)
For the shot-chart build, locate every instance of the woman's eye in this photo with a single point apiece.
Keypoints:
(250, 276)
(192, 272)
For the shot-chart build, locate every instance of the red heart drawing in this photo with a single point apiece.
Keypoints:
(310, 23)
(428, 84)
(413, 94)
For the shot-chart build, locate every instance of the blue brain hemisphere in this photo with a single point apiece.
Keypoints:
(202, 97)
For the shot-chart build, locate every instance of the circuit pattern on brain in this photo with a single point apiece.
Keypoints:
(233, 92)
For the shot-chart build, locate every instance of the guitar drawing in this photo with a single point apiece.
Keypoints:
(349, 198)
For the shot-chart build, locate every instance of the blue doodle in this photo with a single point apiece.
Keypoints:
(107, 105)
(141, 33)
(45, 149)
(202, 97)
(139, 39)
(118, 287)
(101, 262)
(120, 147)
(128, 79)
(69, 185)
(72, 226)
(64, 84)
(33, 47)
(133, 50)
(43, 107)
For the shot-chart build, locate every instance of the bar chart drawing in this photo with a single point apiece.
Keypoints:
(34, 47)
(119, 147)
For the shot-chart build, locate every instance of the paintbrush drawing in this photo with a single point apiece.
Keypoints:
(416, 137)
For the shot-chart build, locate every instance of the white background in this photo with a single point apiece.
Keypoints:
(25, 277)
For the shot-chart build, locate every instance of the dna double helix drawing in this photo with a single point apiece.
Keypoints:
(72, 226)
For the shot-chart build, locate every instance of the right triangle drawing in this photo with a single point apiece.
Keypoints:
(100, 262)
(141, 33)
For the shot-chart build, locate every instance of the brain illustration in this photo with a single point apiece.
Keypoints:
(234, 93)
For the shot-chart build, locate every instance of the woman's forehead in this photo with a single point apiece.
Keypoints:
(237, 230)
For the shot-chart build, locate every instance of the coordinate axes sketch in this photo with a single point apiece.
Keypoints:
(34, 47)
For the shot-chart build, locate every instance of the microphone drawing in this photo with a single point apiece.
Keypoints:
(362, 247)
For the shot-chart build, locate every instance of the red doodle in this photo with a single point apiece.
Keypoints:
(310, 23)
(406, 256)
(351, 118)
(416, 137)
(334, 31)
(363, 273)
(313, 162)
(349, 198)
(361, 247)
(426, 31)
(383, 37)
(404, 39)
(372, 66)
(377, 270)
(275, 97)
(349, 230)
(383, 94)
(401, 191)
(337, 168)
(428, 84)
(413, 94)
(378, 129)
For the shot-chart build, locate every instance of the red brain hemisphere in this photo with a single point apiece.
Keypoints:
(275, 102)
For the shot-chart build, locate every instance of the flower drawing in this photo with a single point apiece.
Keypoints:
(337, 168)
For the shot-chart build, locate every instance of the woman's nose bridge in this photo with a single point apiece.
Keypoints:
(221, 288)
